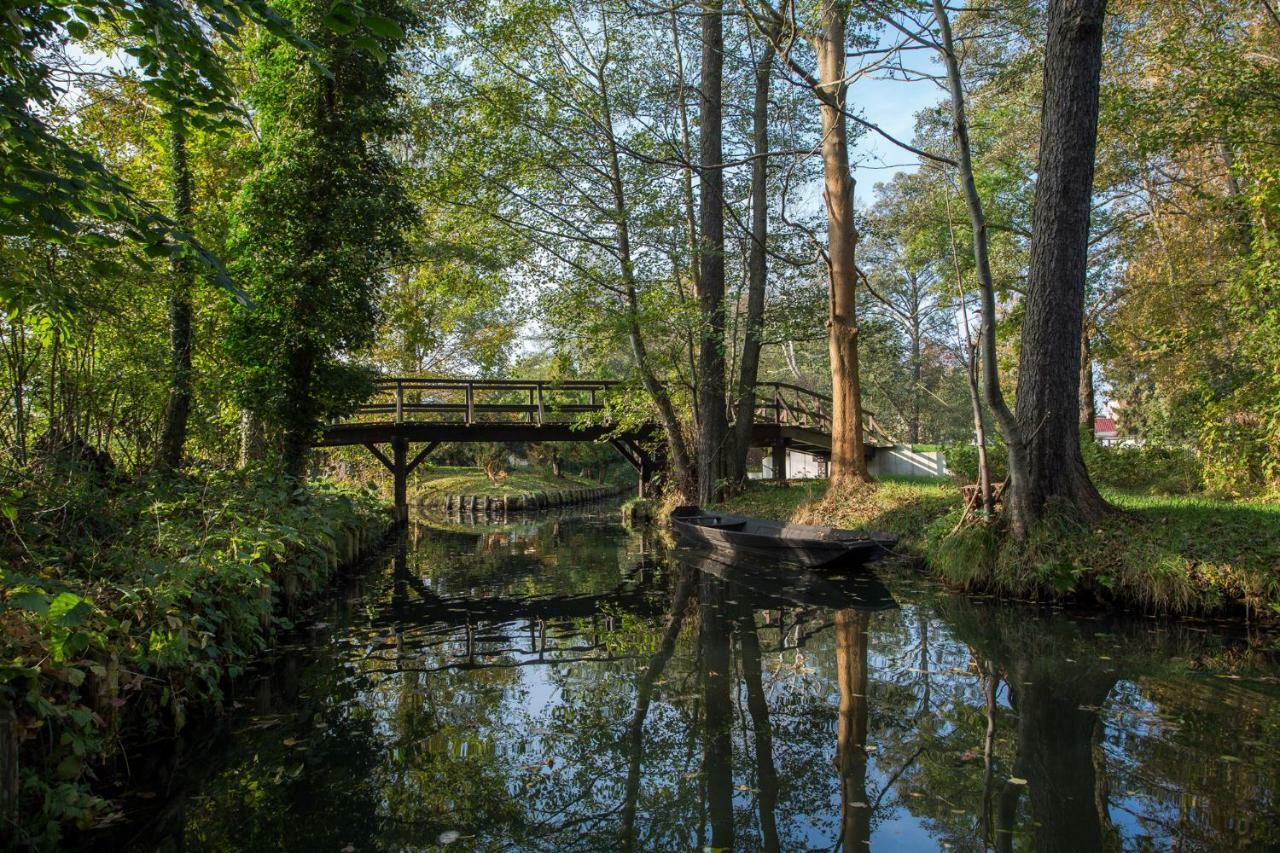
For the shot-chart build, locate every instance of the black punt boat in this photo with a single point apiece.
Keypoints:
(737, 538)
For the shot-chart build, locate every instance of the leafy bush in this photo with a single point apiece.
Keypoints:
(1151, 469)
(123, 604)
(962, 460)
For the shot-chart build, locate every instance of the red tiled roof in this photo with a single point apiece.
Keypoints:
(1104, 425)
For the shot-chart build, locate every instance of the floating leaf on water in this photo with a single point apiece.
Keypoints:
(1017, 780)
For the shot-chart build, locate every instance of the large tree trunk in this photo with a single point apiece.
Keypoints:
(713, 424)
(1048, 402)
(178, 409)
(757, 272)
(848, 458)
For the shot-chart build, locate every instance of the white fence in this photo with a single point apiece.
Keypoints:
(901, 461)
(897, 461)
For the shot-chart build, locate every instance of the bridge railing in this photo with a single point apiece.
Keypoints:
(793, 405)
(536, 401)
(471, 401)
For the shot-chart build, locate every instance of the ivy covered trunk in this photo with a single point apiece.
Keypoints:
(178, 410)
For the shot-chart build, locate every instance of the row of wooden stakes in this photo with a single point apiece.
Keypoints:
(502, 504)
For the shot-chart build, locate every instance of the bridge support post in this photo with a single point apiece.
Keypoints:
(400, 473)
(779, 460)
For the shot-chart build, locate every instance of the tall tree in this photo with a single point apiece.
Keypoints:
(848, 454)
(757, 269)
(178, 408)
(1048, 400)
(713, 426)
(322, 217)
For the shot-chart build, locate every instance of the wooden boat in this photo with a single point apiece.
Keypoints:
(739, 539)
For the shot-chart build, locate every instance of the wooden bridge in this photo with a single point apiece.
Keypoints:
(404, 411)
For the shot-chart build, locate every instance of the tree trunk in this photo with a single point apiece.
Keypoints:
(253, 444)
(298, 420)
(1088, 403)
(848, 457)
(1004, 417)
(713, 425)
(757, 272)
(1048, 403)
(680, 459)
(917, 357)
(178, 409)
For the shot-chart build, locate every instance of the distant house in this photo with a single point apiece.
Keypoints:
(1106, 434)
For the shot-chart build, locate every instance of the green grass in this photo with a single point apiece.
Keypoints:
(1161, 554)
(905, 506)
(444, 480)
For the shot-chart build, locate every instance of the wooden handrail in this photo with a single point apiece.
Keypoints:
(544, 401)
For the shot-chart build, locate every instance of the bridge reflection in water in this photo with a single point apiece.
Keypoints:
(404, 411)
(563, 684)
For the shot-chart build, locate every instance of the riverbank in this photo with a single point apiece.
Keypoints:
(460, 489)
(1161, 554)
(128, 604)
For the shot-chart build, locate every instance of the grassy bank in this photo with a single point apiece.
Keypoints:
(126, 604)
(1160, 554)
(904, 506)
(435, 482)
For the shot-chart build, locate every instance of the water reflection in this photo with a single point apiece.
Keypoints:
(567, 685)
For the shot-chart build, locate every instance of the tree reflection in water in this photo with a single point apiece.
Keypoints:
(570, 687)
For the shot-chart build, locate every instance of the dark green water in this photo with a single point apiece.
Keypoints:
(565, 684)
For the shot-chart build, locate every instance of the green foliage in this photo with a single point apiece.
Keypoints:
(962, 459)
(55, 191)
(126, 605)
(320, 219)
(1152, 468)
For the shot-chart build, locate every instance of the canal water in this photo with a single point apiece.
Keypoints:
(563, 683)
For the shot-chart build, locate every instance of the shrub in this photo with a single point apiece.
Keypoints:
(123, 604)
(962, 460)
(1153, 469)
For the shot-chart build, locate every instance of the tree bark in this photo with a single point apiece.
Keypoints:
(713, 425)
(848, 456)
(177, 413)
(917, 358)
(757, 272)
(1048, 403)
